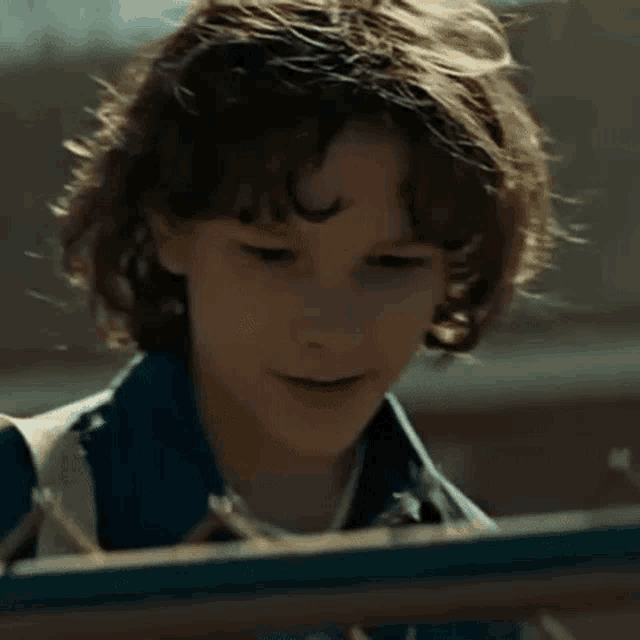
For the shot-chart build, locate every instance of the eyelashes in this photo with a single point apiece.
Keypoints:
(268, 255)
(391, 263)
(403, 264)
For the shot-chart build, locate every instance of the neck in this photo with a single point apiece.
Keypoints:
(297, 491)
(303, 500)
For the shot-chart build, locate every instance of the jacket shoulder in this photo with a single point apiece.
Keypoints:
(17, 472)
(25, 444)
(41, 431)
(43, 451)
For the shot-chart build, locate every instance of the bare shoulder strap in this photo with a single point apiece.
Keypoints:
(61, 468)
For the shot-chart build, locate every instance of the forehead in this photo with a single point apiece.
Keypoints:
(363, 160)
(355, 192)
(368, 168)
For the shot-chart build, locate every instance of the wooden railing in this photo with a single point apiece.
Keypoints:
(535, 568)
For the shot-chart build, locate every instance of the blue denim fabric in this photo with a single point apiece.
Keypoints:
(154, 470)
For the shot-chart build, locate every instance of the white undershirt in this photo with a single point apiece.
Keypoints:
(342, 512)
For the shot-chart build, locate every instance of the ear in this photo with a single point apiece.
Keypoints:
(172, 246)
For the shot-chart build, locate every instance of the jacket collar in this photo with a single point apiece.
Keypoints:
(398, 483)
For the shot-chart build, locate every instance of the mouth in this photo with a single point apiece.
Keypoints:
(324, 385)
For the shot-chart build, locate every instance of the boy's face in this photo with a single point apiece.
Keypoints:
(326, 301)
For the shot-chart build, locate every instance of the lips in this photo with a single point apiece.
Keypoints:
(323, 379)
(323, 385)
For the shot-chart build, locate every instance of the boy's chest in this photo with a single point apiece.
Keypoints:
(152, 492)
(158, 499)
(154, 496)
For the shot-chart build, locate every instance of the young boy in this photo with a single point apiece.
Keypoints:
(286, 202)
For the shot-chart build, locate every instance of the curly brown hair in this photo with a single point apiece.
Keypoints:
(244, 93)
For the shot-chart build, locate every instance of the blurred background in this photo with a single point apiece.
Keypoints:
(556, 394)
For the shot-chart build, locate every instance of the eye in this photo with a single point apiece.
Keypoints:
(393, 263)
(401, 264)
(267, 255)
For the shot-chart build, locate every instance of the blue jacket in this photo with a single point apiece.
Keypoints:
(152, 472)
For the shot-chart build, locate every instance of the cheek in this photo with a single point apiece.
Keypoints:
(243, 314)
(247, 326)
(235, 306)
(251, 319)
(400, 327)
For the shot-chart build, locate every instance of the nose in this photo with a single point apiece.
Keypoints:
(330, 324)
